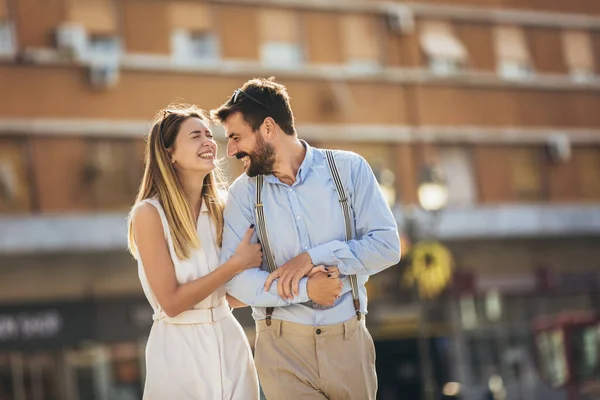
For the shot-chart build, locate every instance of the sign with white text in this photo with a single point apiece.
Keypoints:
(30, 327)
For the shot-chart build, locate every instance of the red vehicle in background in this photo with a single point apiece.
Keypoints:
(567, 352)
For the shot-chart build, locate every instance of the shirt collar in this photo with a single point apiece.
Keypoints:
(306, 165)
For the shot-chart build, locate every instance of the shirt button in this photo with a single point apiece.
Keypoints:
(318, 331)
(305, 247)
(298, 217)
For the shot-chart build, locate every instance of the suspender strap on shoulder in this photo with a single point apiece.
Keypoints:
(347, 222)
(263, 234)
(262, 231)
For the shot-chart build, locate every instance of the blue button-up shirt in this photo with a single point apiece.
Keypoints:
(307, 217)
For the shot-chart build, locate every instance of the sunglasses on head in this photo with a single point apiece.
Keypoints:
(238, 92)
(162, 123)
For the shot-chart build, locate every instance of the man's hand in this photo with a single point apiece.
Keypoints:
(324, 290)
(289, 275)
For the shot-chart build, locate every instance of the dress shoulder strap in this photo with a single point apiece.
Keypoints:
(163, 219)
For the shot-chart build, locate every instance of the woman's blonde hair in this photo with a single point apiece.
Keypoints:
(160, 182)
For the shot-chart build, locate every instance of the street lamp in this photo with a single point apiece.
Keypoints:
(433, 189)
(433, 197)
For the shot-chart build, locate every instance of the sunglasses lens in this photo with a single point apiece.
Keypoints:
(237, 94)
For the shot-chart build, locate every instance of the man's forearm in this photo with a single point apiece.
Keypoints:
(360, 257)
(248, 287)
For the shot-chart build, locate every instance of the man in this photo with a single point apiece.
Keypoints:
(311, 341)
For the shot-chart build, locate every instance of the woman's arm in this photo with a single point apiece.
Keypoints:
(235, 303)
(154, 253)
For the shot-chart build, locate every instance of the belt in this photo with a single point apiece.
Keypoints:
(193, 316)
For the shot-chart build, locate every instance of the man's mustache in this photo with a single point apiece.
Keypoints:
(241, 155)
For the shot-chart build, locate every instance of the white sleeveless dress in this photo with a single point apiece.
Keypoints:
(202, 353)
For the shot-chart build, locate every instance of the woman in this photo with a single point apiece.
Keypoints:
(196, 348)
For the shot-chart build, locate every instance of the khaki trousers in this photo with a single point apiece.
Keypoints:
(297, 362)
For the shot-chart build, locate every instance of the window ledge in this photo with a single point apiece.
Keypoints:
(512, 220)
(108, 231)
(333, 73)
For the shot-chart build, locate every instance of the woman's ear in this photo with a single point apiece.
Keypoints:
(170, 153)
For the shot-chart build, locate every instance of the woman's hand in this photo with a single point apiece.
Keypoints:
(248, 255)
(331, 271)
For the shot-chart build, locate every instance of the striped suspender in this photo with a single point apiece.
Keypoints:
(347, 222)
(262, 226)
(266, 246)
(262, 230)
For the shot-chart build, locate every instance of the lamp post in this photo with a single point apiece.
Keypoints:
(433, 197)
(433, 189)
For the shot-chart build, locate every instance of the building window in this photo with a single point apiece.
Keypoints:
(468, 312)
(445, 53)
(457, 165)
(104, 55)
(579, 55)
(14, 183)
(90, 33)
(526, 173)
(113, 172)
(281, 55)
(360, 43)
(513, 58)
(203, 45)
(550, 346)
(8, 45)
(280, 39)
(588, 162)
(104, 49)
(379, 156)
(194, 47)
(193, 40)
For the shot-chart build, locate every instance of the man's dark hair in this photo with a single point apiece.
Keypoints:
(256, 100)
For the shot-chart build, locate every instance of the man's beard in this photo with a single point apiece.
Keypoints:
(261, 159)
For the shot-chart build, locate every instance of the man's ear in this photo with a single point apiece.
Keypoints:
(269, 127)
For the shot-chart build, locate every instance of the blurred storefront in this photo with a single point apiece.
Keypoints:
(74, 350)
(493, 311)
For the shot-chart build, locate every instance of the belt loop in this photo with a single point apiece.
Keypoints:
(347, 330)
(212, 315)
(278, 329)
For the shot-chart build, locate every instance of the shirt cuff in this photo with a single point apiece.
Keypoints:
(303, 291)
(322, 255)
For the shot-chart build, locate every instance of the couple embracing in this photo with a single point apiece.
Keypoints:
(296, 237)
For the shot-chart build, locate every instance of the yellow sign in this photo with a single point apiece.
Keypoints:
(431, 268)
